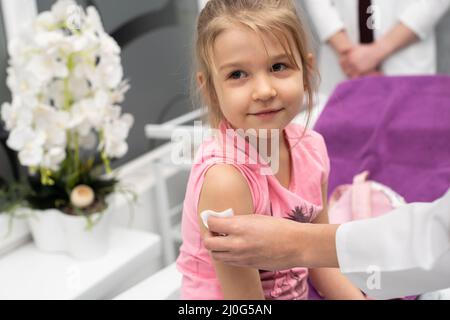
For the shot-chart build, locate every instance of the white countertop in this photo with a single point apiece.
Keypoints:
(27, 273)
(163, 285)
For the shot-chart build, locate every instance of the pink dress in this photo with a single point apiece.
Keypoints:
(302, 199)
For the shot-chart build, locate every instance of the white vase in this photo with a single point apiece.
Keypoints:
(54, 231)
(12, 235)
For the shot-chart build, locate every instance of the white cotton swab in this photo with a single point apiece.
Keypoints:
(224, 214)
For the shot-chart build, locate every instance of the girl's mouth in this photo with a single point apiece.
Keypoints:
(267, 114)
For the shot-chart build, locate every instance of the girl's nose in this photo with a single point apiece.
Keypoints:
(264, 90)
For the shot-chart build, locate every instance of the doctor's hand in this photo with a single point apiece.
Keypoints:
(253, 240)
(269, 243)
(362, 60)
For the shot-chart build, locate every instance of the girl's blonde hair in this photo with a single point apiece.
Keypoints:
(275, 17)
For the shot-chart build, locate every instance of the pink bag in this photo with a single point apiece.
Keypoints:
(361, 200)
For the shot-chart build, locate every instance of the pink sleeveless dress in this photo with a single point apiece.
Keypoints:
(303, 199)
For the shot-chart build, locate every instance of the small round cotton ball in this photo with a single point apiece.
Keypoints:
(82, 196)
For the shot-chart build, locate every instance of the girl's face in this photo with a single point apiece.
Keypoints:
(257, 86)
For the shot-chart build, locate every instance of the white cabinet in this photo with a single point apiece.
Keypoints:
(28, 273)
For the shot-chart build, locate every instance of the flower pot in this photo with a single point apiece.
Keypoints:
(54, 231)
(13, 233)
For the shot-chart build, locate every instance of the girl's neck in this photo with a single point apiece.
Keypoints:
(274, 147)
(267, 154)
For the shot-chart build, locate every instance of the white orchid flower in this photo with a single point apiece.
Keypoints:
(24, 83)
(88, 141)
(31, 156)
(18, 50)
(93, 20)
(66, 79)
(87, 114)
(16, 115)
(7, 115)
(45, 20)
(53, 94)
(112, 74)
(115, 148)
(47, 40)
(112, 113)
(53, 158)
(45, 68)
(78, 112)
(108, 45)
(118, 95)
(29, 143)
(115, 134)
(63, 9)
(54, 123)
(92, 110)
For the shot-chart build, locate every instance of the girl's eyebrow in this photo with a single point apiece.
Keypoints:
(280, 56)
(231, 65)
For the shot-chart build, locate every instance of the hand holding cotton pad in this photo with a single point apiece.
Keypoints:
(224, 214)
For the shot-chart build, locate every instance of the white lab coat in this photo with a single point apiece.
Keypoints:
(421, 16)
(405, 252)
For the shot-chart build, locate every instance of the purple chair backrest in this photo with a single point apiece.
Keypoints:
(397, 128)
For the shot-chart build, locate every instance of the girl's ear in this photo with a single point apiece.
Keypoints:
(310, 64)
(209, 97)
(311, 59)
(201, 85)
(200, 79)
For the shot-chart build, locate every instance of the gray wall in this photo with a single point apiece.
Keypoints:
(443, 40)
(5, 169)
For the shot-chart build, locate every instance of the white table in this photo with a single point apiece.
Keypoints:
(28, 273)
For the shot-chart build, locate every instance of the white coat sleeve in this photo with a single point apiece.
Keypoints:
(325, 17)
(405, 252)
(421, 16)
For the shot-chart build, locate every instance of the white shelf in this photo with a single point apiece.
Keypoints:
(163, 285)
(28, 273)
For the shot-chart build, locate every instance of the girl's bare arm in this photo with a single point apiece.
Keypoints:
(224, 187)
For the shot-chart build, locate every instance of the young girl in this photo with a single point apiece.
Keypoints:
(253, 72)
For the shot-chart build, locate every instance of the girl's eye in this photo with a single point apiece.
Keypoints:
(277, 67)
(235, 75)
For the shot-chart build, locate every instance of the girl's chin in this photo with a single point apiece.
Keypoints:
(264, 133)
(252, 125)
(270, 125)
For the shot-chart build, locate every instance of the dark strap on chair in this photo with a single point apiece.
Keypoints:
(365, 33)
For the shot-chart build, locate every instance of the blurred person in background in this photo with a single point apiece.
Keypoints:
(368, 37)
